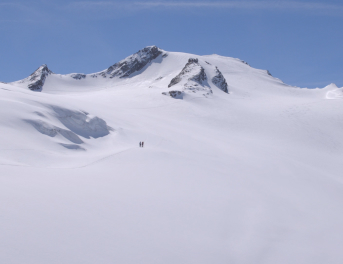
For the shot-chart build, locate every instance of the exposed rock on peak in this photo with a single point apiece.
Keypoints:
(44, 68)
(245, 62)
(133, 63)
(219, 81)
(37, 79)
(192, 60)
(193, 71)
(192, 79)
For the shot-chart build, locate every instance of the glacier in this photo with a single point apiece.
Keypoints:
(237, 166)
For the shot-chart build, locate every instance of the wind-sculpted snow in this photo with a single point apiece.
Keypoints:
(74, 124)
(52, 131)
(334, 92)
(220, 81)
(81, 123)
(36, 80)
(133, 63)
(72, 146)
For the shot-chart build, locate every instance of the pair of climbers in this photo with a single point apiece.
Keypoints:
(141, 144)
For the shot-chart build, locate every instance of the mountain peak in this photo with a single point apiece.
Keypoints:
(43, 69)
(133, 63)
(37, 79)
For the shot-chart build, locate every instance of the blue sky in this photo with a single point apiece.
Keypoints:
(299, 42)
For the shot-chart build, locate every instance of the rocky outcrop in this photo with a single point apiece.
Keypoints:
(193, 71)
(37, 79)
(192, 79)
(133, 63)
(245, 62)
(78, 76)
(219, 81)
(174, 94)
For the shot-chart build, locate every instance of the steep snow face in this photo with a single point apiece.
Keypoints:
(36, 80)
(132, 64)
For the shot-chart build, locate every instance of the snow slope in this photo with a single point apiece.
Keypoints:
(247, 175)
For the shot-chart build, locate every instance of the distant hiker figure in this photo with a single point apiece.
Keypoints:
(140, 144)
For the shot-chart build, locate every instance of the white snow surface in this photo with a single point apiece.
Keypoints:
(254, 176)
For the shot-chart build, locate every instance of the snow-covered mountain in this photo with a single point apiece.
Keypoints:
(237, 166)
(36, 80)
(192, 78)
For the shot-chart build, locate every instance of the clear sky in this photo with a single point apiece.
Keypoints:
(299, 42)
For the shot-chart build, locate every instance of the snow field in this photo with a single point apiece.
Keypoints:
(253, 176)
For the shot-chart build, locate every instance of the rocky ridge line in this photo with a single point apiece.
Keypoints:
(133, 63)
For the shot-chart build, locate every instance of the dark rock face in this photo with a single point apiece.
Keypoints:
(192, 68)
(175, 80)
(37, 79)
(78, 76)
(200, 77)
(192, 60)
(174, 94)
(133, 63)
(220, 81)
